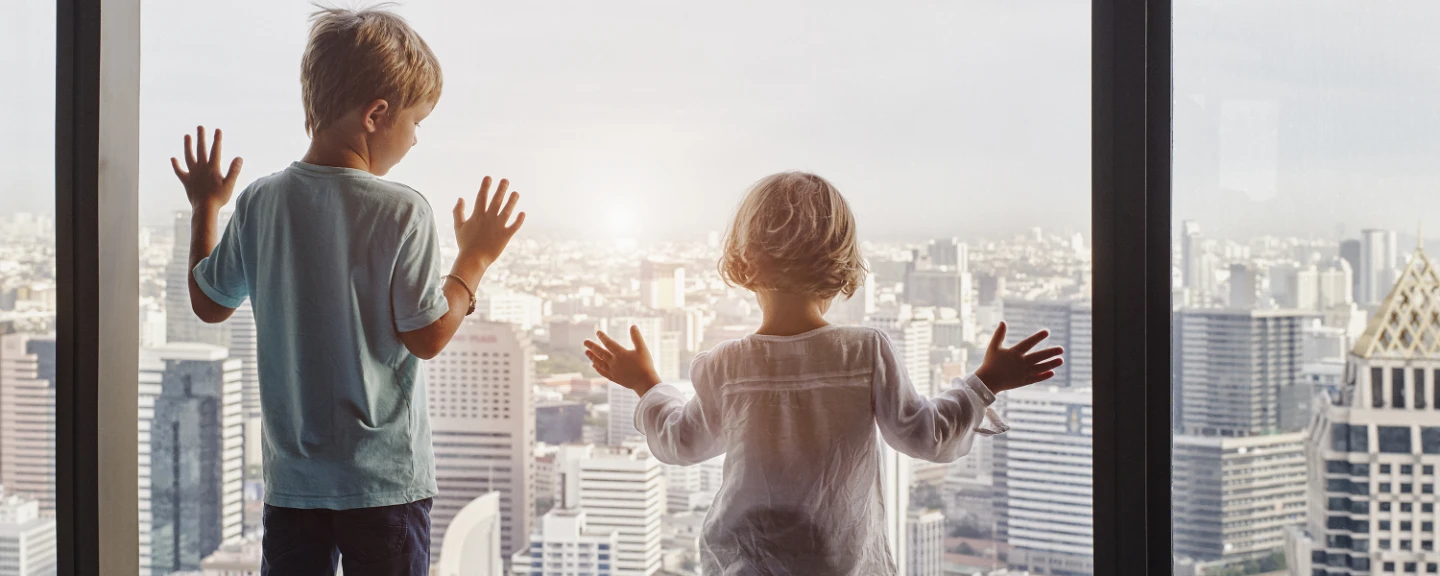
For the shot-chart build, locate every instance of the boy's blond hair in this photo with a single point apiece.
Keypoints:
(356, 56)
(794, 233)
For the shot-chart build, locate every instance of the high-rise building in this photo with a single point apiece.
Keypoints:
(623, 402)
(27, 418)
(926, 534)
(664, 350)
(1379, 259)
(1049, 496)
(621, 489)
(27, 538)
(1069, 324)
(559, 422)
(951, 253)
(472, 542)
(482, 417)
(565, 544)
(1373, 452)
(1234, 498)
(1324, 287)
(1190, 250)
(1350, 253)
(510, 307)
(690, 487)
(662, 285)
(939, 287)
(1243, 286)
(182, 325)
(911, 339)
(191, 455)
(1231, 368)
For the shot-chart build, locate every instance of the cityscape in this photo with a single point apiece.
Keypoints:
(1289, 355)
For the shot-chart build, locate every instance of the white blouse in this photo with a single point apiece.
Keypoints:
(795, 417)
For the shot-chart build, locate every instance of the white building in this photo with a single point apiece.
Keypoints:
(565, 544)
(623, 402)
(27, 418)
(1373, 452)
(662, 285)
(472, 542)
(926, 535)
(621, 488)
(510, 307)
(1050, 479)
(1234, 498)
(693, 487)
(27, 539)
(482, 416)
(1379, 261)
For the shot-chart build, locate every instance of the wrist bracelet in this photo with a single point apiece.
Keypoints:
(466, 286)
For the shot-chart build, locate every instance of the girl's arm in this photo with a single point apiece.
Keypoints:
(677, 431)
(939, 429)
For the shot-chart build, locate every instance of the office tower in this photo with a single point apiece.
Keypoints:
(1372, 454)
(502, 305)
(1378, 262)
(689, 326)
(559, 422)
(191, 454)
(182, 325)
(1234, 498)
(472, 542)
(950, 253)
(27, 538)
(665, 354)
(245, 348)
(482, 416)
(1285, 284)
(1243, 286)
(1350, 253)
(895, 485)
(1069, 324)
(1231, 368)
(621, 489)
(1335, 284)
(911, 339)
(27, 418)
(926, 533)
(1049, 499)
(566, 544)
(939, 287)
(662, 285)
(1190, 250)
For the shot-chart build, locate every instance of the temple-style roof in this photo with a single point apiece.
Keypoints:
(1408, 322)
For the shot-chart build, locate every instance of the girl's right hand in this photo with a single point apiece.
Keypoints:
(1010, 368)
(632, 369)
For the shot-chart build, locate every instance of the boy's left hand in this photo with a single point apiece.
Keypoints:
(207, 188)
(632, 369)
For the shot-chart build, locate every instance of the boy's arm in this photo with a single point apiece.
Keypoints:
(207, 189)
(482, 238)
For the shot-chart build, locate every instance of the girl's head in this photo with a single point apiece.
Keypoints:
(794, 233)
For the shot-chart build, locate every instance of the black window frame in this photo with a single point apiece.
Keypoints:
(1130, 219)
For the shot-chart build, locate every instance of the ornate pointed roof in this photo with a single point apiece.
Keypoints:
(1408, 322)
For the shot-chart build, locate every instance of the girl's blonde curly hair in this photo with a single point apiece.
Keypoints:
(793, 233)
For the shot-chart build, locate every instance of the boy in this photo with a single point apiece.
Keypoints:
(342, 269)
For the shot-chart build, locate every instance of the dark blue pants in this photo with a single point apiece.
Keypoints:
(384, 541)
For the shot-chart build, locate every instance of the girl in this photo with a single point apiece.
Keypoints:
(794, 406)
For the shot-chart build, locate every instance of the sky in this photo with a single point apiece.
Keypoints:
(935, 118)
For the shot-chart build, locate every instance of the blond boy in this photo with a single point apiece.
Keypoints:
(342, 269)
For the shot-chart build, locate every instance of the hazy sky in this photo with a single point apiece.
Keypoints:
(951, 117)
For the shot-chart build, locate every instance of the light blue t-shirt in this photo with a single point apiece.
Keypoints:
(336, 263)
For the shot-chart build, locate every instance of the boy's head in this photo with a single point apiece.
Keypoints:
(794, 233)
(367, 73)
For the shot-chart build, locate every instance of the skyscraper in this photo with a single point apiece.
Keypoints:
(482, 414)
(911, 339)
(1379, 258)
(182, 325)
(1243, 286)
(939, 287)
(191, 454)
(1373, 453)
(1234, 498)
(926, 533)
(950, 253)
(620, 489)
(1049, 480)
(472, 542)
(1231, 368)
(565, 544)
(662, 285)
(27, 538)
(27, 418)
(1190, 250)
(1350, 253)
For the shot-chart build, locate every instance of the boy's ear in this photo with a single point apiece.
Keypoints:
(375, 113)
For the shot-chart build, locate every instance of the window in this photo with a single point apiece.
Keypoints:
(1407, 469)
(1394, 439)
(1384, 468)
(29, 288)
(1397, 388)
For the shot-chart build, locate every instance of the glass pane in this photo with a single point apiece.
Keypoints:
(633, 130)
(27, 288)
(1305, 328)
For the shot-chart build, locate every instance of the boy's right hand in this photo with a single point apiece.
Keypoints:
(485, 234)
(632, 369)
(1010, 368)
